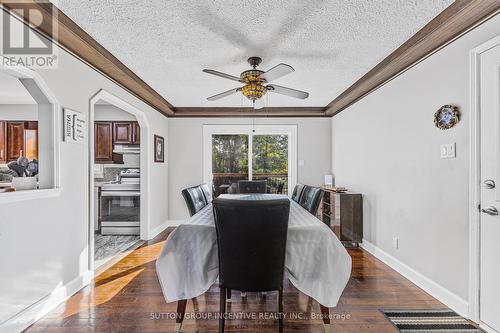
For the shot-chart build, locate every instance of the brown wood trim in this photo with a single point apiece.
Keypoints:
(249, 112)
(455, 20)
(75, 40)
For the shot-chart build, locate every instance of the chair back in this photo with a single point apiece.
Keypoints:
(297, 192)
(310, 198)
(251, 240)
(206, 192)
(252, 186)
(195, 199)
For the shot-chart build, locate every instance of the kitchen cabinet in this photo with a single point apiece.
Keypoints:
(18, 138)
(109, 133)
(103, 142)
(31, 143)
(123, 133)
(15, 140)
(136, 136)
(3, 142)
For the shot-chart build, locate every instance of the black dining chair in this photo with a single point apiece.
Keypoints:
(297, 192)
(251, 242)
(206, 192)
(195, 199)
(252, 186)
(311, 198)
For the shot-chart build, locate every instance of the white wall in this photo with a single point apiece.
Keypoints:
(106, 112)
(386, 147)
(43, 243)
(18, 112)
(185, 150)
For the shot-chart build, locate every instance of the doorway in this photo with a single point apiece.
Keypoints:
(242, 152)
(118, 182)
(485, 179)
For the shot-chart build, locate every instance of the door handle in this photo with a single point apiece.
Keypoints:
(490, 210)
(489, 184)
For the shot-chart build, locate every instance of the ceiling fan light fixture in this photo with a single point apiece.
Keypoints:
(253, 91)
(253, 76)
(255, 82)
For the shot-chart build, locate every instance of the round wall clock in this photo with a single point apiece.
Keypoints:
(446, 117)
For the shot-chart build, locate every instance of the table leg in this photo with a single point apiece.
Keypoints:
(181, 310)
(326, 318)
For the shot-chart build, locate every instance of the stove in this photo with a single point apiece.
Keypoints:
(128, 180)
(120, 204)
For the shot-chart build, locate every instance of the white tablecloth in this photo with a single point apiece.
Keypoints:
(316, 261)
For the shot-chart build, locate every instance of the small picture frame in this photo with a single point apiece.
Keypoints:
(159, 144)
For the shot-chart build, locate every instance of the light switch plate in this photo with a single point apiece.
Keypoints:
(448, 150)
(301, 163)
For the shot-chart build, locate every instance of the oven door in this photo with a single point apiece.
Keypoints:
(120, 213)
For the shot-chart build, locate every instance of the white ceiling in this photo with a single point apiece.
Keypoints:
(330, 44)
(13, 92)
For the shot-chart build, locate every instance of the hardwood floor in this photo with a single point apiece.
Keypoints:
(127, 298)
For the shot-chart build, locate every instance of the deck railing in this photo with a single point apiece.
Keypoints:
(275, 181)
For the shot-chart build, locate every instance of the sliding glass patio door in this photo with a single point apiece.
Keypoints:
(265, 152)
(270, 161)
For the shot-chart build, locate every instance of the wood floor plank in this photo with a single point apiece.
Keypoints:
(128, 298)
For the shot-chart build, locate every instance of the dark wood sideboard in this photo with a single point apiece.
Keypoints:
(345, 210)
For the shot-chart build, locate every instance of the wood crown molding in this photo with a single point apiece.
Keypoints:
(451, 23)
(249, 112)
(75, 40)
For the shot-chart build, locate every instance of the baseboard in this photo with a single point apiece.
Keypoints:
(437, 291)
(25, 318)
(169, 223)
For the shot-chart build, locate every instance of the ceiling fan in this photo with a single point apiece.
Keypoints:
(256, 82)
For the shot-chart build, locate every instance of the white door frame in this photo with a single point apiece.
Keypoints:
(290, 130)
(475, 177)
(144, 163)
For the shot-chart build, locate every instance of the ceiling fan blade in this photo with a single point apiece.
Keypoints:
(224, 75)
(277, 72)
(287, 91)
(224, 94)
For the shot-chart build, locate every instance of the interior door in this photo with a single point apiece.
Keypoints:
(490, 192)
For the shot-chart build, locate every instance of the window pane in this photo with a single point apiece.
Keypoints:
(229, 160)
(270, 161)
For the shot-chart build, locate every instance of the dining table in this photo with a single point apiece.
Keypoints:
(316, 262)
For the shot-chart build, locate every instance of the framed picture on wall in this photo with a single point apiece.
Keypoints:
(159, 149)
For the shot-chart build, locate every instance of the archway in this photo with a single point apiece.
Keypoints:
(145, 158)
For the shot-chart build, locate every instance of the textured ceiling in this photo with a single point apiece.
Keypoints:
(330, 44)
